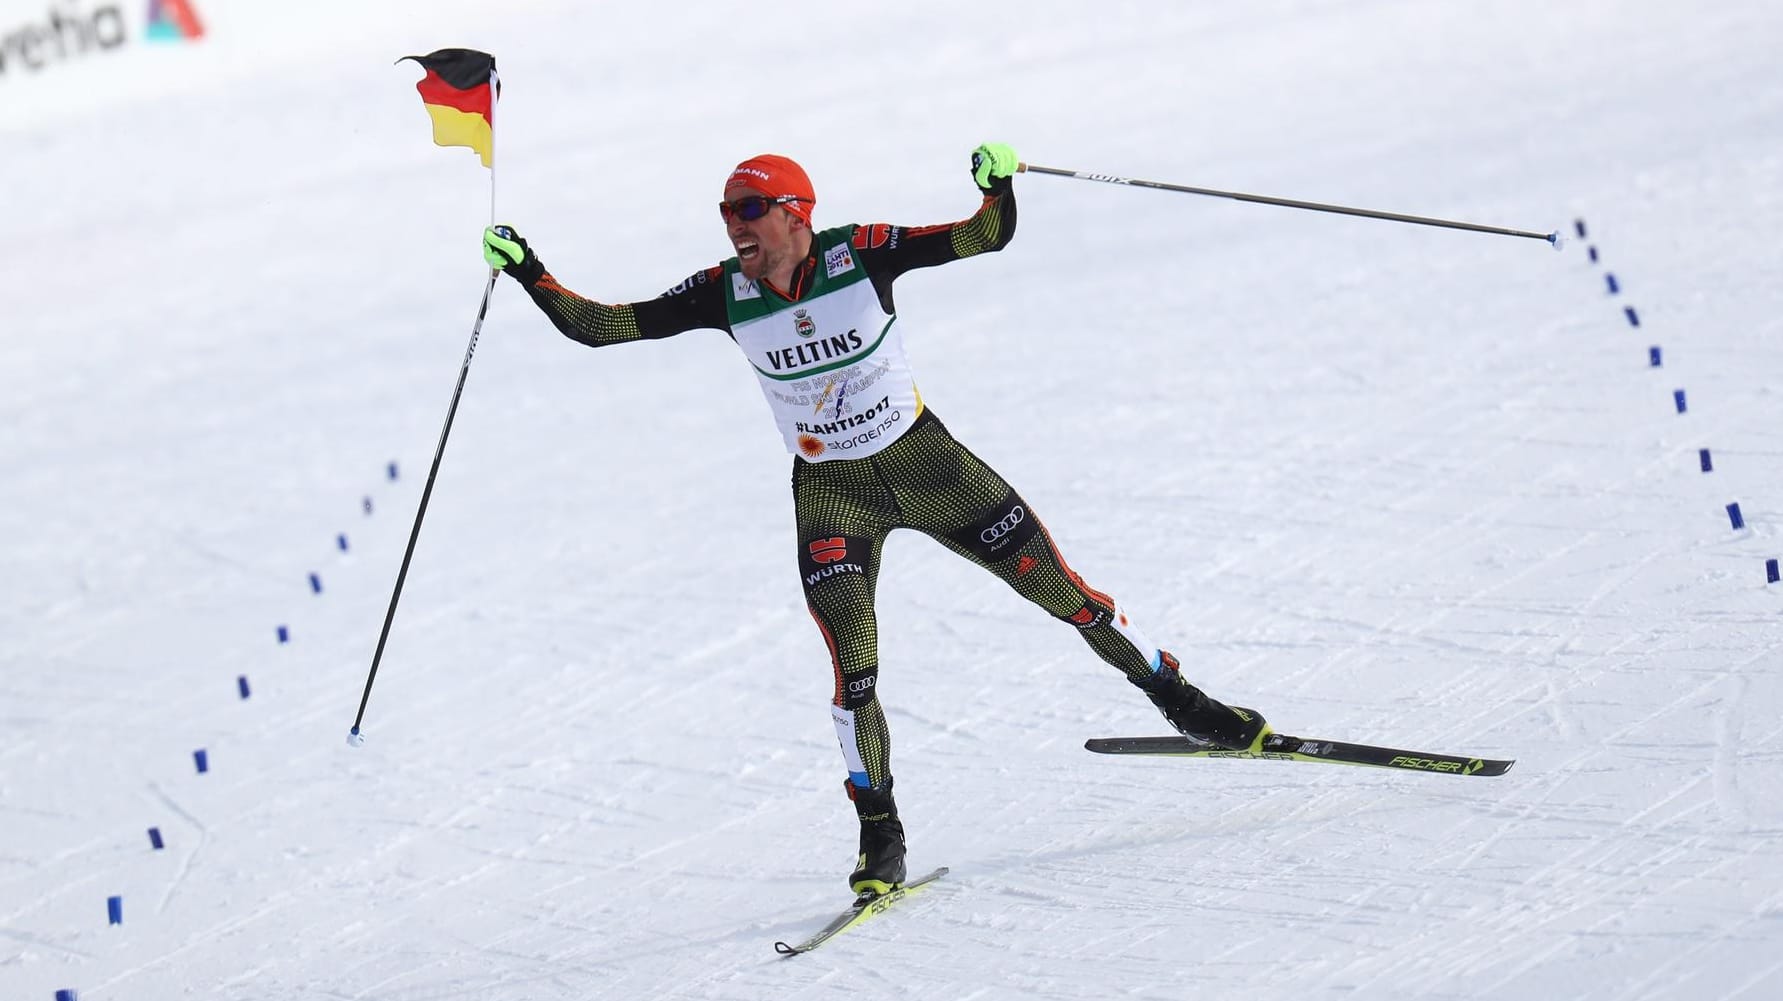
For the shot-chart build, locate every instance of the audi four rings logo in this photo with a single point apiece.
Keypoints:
(1003, 527)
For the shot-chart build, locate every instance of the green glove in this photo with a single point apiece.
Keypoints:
(503, 248)
(993, 163)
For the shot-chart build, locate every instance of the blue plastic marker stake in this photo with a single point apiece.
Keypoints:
(1653, 357)
(315, 584)
(1678, 398)
(202, 760)
(1770, 570)
(341, 541)
(1634, 319)
(155, 839)
(1733, 515)
(1610, 280)
(114, 910)
(1593, 252)
(241, 685)
(1702, 455)
(1579, 227)
(66, 995)
(390, 470)
(284, 635)
(366, 503)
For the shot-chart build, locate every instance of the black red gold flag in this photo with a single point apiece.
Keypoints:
(459, 90)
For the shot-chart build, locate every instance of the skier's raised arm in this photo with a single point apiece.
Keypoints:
(889, 251)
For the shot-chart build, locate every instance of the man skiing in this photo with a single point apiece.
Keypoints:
(813, 314)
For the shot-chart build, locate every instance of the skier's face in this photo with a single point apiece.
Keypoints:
(769, 247)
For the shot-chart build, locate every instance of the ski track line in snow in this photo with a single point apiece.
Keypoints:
(1773, 974)
(44, 943)
(1562, 875)
(1717, 774)
(1588, 885)
(1653, 985)
(1728, 795)
(1571, 766)
(187, 857)
(1566, 886)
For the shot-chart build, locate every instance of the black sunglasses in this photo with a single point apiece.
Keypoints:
(752, 207)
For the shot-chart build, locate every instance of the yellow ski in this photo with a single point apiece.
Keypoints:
(866, 906)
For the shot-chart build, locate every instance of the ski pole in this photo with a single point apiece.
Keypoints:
(353, 736)
(1552, 238)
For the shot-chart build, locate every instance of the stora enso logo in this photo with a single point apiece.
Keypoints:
(71, 30)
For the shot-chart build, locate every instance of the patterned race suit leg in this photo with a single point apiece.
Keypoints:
(928, 481)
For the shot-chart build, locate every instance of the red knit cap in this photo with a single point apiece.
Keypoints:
(775, 176)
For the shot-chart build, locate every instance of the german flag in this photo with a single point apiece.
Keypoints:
(459, 90)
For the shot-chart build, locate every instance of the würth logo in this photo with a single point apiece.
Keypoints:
(828, 550)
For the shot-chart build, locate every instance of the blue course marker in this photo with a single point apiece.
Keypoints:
(390, 470)
(1733, 516)
(315, 584)
(341, 541)
(1678, 398)
(65, 995)
(1654, 359)
(1610, 280)
(155, 839)
(202, 760)
(1593, 252)
(1702, 456)
(1579, 227)
(1770, 570)
(241, 685)
(366, 503)
(114, 910)
(1634, 319)
(284, 635)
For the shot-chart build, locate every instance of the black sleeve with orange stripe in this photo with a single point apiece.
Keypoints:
(698, 302)
(889, 251)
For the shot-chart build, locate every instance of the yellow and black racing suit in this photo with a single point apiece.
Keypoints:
(923, 480)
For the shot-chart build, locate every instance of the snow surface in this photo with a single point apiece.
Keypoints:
(1385, 483)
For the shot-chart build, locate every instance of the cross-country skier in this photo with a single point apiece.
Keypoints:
(812, 313)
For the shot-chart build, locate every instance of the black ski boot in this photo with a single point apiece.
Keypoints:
(1200, 718)
(880, 868)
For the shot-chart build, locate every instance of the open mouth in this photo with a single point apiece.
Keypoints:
(746, 251)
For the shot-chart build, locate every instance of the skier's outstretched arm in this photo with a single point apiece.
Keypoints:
(695, 303)
(889, 251)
